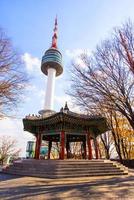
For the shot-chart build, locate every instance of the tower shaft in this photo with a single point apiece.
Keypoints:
(49, 97)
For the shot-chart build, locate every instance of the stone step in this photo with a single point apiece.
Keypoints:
(32, 173)
(67, 175)
(66, 160)
(60, 171)
(65, 169)
(61, 162)
(65, 164)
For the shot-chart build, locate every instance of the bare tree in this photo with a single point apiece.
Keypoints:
(107, 141)
(12, 76)
(8, 149)
(106, 79)
(125, 43)
(106, 85)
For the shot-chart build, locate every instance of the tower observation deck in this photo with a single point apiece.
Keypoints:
(52, 67)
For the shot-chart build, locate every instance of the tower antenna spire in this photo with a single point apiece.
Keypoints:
(54, 38)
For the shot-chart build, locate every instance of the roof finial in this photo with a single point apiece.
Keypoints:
(66, 107)
(54, 38)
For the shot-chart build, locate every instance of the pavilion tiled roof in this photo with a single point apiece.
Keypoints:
(65, 117)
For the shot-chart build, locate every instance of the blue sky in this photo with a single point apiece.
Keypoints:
(82, 24)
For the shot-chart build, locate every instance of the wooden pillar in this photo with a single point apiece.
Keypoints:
(96, 149)
(68, 149)
(99, 150)
(89, 147)
(62, 145)
(84, 149)
(49, 148)
(37, 146)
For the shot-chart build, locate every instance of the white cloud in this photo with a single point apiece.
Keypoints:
(25, 98)
(76, 52)
(32, 63)
(31, 87)
(78, 61)
(75, 55)
(41, 94)
(34, 90)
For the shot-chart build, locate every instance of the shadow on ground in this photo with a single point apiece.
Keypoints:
(4, 177)
(119, 188)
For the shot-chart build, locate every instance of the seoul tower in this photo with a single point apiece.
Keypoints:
(52, 67)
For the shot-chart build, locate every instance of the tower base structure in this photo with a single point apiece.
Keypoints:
(46, 113)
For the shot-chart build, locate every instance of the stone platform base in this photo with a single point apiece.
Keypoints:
(66, 168)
